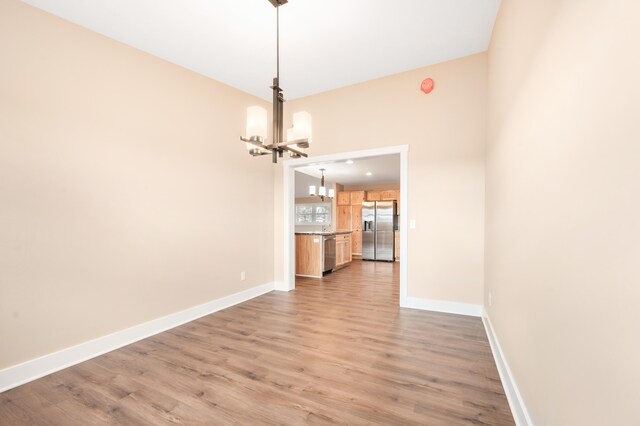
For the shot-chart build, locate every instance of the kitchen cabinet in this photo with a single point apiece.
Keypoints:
(389, 195)
(357, 197)
(309, 255)
(397, 244)
(356, 218)
(320, 253)
(344, 218)
(356, 243)
(344, 198)
(343, 249)
(374, 196)
(349, 213)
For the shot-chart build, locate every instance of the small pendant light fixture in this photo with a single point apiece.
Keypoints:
(322, 190)
(297, 138)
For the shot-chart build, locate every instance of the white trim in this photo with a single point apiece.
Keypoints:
(443, 306)
(280, 286)
(19, 374)
(518, 408)
(404, 225)
(289, 206)
(289, 227)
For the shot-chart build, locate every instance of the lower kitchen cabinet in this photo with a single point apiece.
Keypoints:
(343, 249)
(314, 256)
(309, 255)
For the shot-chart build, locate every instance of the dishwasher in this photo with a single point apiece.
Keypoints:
(328, 253)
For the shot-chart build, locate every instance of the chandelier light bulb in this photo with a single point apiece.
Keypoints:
(256, 123)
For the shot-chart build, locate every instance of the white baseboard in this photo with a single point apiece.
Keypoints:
(19, 374)
(518, 408)
(281, 286)
(442, 306)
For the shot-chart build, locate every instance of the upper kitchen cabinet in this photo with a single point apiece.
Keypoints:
(344, 218)
(357, 197)
(374, 195)
(344, 198)
(389, 195)
(356, 218)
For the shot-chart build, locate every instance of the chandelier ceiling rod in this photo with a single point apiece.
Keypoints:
(281, 143)
(278, 97)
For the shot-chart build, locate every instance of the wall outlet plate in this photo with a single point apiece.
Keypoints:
(243, 276)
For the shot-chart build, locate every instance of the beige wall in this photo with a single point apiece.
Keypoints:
(125, 194)
(563, 207)
(445, 132)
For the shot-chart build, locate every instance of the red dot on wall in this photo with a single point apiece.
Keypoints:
(427, 85)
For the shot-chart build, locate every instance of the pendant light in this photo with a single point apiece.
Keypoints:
(297, 139)
(322, 191)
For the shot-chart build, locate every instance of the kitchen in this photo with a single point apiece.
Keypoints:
(345, 212)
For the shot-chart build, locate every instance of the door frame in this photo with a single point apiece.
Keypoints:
(289, 168)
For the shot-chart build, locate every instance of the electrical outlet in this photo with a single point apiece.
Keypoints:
(412, 224)
(243, 276)
(490, 299)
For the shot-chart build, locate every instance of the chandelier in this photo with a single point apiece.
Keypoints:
(297, 138)
(322, 190)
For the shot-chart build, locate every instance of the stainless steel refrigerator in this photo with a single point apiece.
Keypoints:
(377, 230)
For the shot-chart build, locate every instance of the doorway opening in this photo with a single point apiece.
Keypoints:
(373, 181)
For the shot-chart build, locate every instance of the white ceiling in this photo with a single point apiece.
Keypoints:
(384, 169)
(325, 44)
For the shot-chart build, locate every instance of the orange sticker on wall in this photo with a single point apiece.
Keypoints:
(427, 85)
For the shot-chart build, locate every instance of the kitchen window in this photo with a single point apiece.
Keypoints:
(313, 214)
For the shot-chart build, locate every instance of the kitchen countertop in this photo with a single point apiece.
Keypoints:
(323, 233)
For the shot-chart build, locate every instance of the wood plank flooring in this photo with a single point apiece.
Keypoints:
(334, 351)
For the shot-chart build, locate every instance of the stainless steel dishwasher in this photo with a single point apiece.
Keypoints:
(328, 252)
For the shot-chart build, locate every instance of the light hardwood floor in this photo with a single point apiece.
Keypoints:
(336, 350)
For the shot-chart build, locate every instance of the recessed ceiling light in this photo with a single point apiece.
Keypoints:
(349, 161)
(369, 173)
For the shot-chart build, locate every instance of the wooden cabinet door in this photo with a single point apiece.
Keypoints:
(309, 255)
(347, 250)
(389, 195)
(357, 197)
(374, 196)
(356, 242)
(339, 253)
(344, 218)
(356, 218)
(344, 198)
